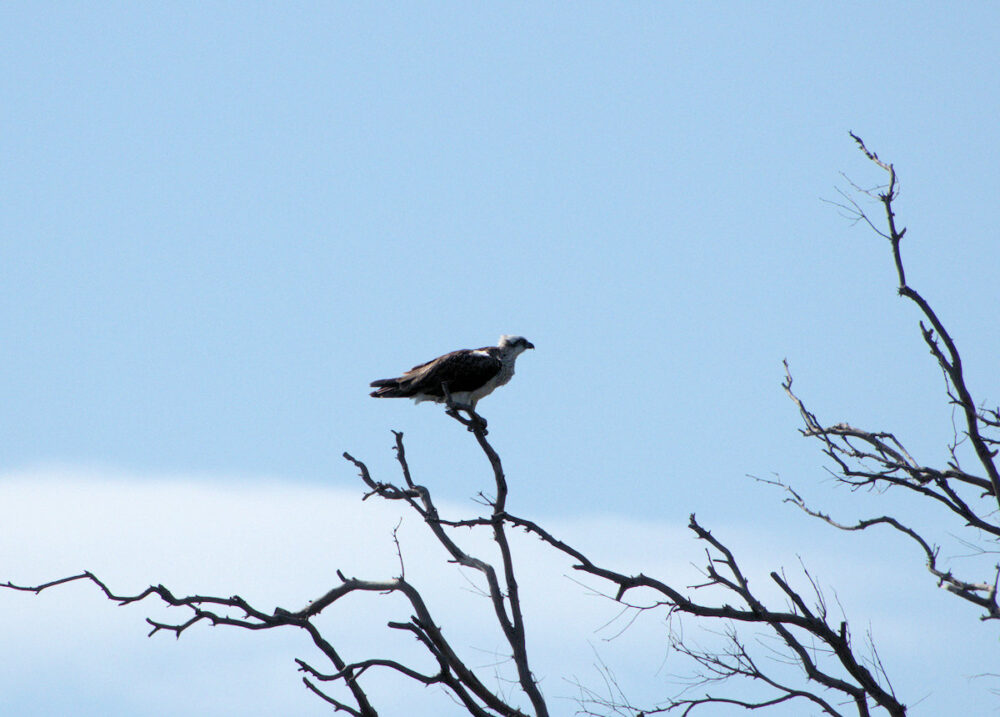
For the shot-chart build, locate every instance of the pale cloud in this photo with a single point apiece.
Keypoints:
(274, 543)
(281, 543)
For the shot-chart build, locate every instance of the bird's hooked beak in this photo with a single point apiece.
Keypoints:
(528, 345)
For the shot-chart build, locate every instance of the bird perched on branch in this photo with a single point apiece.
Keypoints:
(465, 376)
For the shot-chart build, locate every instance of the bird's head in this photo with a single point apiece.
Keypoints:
(514, 344)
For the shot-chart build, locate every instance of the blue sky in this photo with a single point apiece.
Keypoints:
(220, 221)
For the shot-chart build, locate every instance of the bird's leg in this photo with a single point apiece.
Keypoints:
(474, 420)
(452, 404)
(453, 407)
(448, 401)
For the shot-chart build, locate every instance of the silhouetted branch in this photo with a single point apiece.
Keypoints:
(453, 672)
(948, 358)
(210, 608)
(799, 628)
(502, 588)
(983, 594)
(879, 460)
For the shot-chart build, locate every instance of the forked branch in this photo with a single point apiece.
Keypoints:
(798, 626)
(949, 358)
(879, 461)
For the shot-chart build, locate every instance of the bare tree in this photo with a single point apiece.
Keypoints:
(762, 654)
(879, 461)
(800, 624)
(453, 671)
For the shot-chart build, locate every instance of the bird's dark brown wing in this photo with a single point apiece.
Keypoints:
(462, 370)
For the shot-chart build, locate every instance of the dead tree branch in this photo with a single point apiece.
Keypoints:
(948, 357)
(983, 594)
(879, 461)
(452, 673)
(503, 591)
(799, 627)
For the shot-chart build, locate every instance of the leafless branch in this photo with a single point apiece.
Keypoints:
(948, 357)
(983, 594)
(453, 672)
(878, 460)
(855, 682)
(798, 626)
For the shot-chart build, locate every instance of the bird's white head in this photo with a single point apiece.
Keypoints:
(514, 344)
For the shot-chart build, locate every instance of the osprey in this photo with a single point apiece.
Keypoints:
(467, 375)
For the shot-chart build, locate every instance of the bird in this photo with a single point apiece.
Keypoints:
(465, 376)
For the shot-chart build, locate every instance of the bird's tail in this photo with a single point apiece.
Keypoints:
(387, 388)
